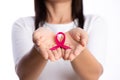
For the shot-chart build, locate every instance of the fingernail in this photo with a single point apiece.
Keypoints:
(84, 43)
(52, 60)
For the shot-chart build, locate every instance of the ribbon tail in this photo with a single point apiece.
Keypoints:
(54, 48)
(65, 47)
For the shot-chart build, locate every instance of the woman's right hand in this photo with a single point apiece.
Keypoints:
(43, 39)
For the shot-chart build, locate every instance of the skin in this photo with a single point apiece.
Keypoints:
(75, 38)
(83, 62)
(43, 37)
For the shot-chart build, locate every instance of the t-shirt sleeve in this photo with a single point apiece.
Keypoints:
(97, 42)
(21, 39)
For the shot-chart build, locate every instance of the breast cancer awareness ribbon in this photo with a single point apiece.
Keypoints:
(60, 44)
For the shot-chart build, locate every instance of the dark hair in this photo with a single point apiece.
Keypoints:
(41, 12)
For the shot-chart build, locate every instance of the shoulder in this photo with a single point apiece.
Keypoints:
(24, 22)
(93, 21)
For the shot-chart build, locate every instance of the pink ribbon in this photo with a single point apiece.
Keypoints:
(60, 43)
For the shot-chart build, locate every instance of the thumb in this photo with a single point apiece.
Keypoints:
(83, 42)
(84, 38)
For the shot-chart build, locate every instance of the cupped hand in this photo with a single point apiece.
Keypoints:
(77, 39)
(44, 40)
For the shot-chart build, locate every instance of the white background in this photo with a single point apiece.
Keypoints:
(10, 10)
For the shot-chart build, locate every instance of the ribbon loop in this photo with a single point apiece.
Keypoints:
(60, 44)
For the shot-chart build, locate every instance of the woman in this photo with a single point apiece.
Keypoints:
(34, 36)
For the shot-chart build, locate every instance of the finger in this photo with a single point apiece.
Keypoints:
(84, 38)
(77, 51)
(39, 41)
(37, 35)
(59, 52)
(55, 54)
(83, 42)
(63, 52)
(50, 55)
(77, 36)
(67, 53)
(71, 56)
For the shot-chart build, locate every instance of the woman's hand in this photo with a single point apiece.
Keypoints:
(79, 35)
(77, 39)
(44, 40)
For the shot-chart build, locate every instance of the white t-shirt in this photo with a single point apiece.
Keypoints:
(60, 70)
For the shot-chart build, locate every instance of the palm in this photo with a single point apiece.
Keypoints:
(76, 39)
(75, 45)
(44, 39)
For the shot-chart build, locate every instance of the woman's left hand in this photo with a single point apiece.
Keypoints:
(77, 39)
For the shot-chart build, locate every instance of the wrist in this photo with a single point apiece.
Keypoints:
(78, 56)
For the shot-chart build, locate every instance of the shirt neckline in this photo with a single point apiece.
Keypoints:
(59, 25)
